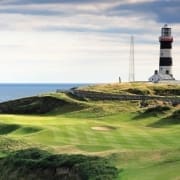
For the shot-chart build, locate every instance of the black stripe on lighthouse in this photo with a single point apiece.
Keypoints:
(165, 61)
(165, 45)
(165, 55)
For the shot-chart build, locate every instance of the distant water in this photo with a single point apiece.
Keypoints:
(15, 91)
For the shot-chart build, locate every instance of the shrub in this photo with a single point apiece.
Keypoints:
(41, 164)
(157, 109)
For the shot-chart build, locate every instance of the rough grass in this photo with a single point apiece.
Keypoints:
(8, 144)
(173, 119)
(137, 89)
(156, 110)
(38, 105)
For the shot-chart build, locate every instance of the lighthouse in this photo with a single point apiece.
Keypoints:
(165, 60)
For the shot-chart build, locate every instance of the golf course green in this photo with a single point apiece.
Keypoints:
(142, 143)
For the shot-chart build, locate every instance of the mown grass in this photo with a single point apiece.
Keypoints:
(74, 135)
(142, 140)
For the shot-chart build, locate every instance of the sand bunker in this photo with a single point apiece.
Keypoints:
(103, 128)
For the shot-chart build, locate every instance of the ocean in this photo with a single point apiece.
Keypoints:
(15, 91)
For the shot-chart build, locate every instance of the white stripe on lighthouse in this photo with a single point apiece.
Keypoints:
(165, 53)
(165, 69)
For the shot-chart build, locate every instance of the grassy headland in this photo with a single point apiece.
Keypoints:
(142, 142)
(137, 89)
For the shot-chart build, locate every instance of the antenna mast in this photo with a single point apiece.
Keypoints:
(131, 61)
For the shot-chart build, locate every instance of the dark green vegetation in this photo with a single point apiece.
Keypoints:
(141, 141)
(8, 128)
(173, 119)
(33, 105)
(37, 164)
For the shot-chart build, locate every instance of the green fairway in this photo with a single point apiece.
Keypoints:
(142, 144)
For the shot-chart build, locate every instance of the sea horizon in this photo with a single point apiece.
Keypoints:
(12, 91)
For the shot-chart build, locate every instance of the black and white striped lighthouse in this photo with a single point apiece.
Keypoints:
(165, 60)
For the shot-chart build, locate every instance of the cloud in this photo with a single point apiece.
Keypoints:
(99, 12)
(165, 11)
(20, 2)
(83, 41)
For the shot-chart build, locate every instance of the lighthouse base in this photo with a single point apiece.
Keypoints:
(157, 77)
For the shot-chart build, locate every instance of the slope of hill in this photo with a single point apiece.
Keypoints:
(141, 141)
(36, 105)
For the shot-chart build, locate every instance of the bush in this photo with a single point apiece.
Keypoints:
(176, 115)
(157, 109)
(138, 91)
(40, 165)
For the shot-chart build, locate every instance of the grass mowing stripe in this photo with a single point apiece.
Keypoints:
(151, 139)
(82, 131)
(164, 141)
(115, 139)
(92, 136)
(138, 140)
(73, 134)
(123, 142)
(172, 141)
(63, 133)
(101, 138)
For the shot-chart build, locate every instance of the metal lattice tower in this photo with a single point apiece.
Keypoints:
(131, 61)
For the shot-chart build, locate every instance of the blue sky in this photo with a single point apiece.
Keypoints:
(83, 40)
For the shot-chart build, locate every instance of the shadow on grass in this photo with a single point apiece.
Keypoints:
(8, 128)
(152, 112)
(170, 120)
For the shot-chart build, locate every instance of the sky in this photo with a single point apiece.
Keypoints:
(83, 41)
